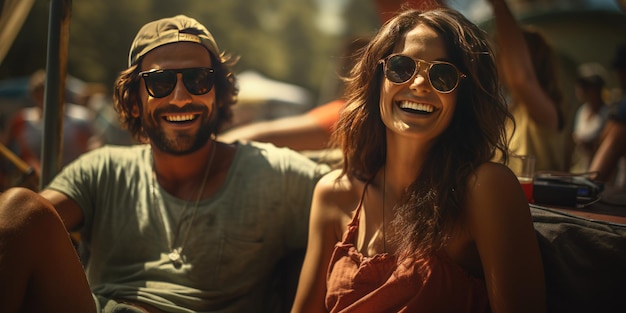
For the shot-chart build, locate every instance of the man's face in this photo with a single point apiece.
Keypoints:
(180, 122)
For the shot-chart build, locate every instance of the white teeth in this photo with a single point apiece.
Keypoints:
(179, 118)
(416, 106)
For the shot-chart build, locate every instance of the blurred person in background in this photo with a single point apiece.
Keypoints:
(612, 148)
(25, 132)
(527, 64)
(591, 115)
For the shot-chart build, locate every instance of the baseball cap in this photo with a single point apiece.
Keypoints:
(592, 74)
(179, 28)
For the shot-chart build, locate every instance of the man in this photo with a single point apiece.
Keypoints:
(182, 224)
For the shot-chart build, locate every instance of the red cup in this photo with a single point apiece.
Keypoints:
(524, 168)
(527, 186)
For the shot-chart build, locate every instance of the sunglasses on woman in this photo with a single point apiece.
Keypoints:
(400, 68)
(160, 83)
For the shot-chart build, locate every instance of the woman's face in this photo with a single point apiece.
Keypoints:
(415, 108)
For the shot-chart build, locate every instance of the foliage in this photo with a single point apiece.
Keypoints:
(278, 38)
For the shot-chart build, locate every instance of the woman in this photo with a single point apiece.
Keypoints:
(419, 219)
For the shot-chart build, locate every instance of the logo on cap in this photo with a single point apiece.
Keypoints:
(188, 37)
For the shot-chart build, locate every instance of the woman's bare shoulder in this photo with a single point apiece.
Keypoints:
(492, 174)
(494, 188)
(336, 184)
(338, 193)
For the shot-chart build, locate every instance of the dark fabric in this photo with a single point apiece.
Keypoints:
(584, 262)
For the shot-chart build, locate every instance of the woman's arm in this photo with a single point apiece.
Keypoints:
(501, 225)
(323, 235)
(516, 67)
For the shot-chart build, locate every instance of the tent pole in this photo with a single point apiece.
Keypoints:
(54, 97)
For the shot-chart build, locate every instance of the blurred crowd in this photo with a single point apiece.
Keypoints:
(565, 135)
(88, 122)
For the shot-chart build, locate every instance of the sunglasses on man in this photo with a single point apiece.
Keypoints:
(444, 77)
(161, 82)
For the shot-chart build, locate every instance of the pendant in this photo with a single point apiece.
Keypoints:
(176, 258)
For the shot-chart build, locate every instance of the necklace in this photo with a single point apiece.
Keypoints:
(384, 190)
(176, 254)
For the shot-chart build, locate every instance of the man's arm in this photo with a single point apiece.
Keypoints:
(68, 209)
(611, 149)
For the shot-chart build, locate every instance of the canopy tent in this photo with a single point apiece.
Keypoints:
(262, 98)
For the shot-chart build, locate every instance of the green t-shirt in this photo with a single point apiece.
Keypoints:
(258, 216)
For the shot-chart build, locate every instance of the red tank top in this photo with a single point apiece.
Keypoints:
(356, 283)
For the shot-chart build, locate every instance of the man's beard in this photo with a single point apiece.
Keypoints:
(182, 142)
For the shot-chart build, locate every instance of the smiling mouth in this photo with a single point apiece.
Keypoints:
(180, 118)
(416, 108)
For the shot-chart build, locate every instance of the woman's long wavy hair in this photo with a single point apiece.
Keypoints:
(476, 134)
(126, 95)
